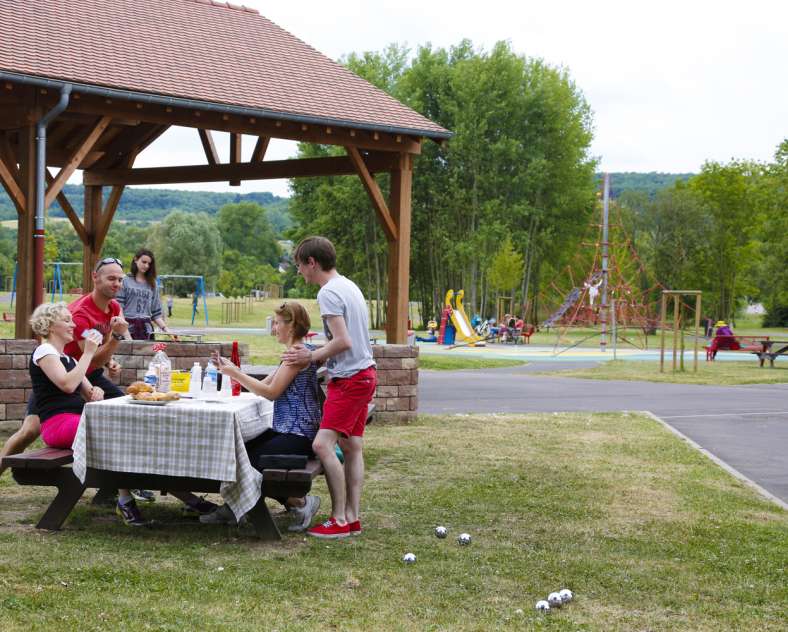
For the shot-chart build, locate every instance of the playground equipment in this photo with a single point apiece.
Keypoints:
(199, 291)
(459, 319)
(55, 284)
(614, 274)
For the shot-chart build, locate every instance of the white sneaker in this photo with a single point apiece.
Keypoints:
(221, 515)
(303, 516)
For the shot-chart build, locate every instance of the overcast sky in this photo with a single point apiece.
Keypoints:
(671, 84)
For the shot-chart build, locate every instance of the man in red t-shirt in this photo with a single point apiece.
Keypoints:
(97, 310)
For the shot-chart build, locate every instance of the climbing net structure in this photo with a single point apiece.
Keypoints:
(605, 283)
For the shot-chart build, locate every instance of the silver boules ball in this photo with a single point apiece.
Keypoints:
(441, 532)
(409, 558)
(542, 606)
(566, 595)
(464, 539)
(554, 599)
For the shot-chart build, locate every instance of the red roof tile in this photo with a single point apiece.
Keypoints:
(194, 49)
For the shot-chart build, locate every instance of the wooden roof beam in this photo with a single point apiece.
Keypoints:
(260, 148)
(270, 170)
(71, 214)
(206, 138)
(255, 126)
(373, 190)
(76, 158)
(10, 184)
(9, 174)
(235, 155)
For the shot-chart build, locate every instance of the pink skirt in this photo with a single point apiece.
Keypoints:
(59, 431)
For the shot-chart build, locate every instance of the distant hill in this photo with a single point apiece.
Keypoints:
(648, 183)
(152, 205)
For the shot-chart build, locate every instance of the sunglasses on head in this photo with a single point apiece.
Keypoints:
(107, 261)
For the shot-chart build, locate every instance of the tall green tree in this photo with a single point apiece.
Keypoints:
(730, 192)
(505, 268)
(245, 228)
(188, 243)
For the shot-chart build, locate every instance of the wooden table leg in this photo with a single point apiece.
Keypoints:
(263, 522)
(69, 491)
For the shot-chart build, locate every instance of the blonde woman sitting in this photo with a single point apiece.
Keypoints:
(60, 387)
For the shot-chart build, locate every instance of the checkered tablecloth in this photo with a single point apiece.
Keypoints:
(193, 438)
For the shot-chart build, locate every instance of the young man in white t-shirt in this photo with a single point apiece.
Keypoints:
(352, 381)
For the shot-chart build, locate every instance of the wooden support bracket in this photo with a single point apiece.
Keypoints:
(235, 155)
(75, 159)
(260, 148)
(62, 200)
(373, 190)
(206, 138)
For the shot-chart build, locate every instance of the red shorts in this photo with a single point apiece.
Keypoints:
(345, 409)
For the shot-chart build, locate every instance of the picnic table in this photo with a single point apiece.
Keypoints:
(770, 349)
(188, 445)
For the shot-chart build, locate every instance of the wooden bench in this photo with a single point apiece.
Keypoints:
(50, 467)
(757, 345)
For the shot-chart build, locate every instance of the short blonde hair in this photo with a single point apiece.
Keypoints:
(295, 314)
(45, 315)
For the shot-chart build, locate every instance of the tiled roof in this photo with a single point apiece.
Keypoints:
(202, 50)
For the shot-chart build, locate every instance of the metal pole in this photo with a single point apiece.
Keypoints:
(675, 328)
(614, 325)
(697, 325)
(663, 314)
(41, 165)
(603, 305)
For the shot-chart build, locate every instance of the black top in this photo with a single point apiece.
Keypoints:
(50, 400)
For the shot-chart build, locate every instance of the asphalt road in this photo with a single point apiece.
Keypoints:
(743, 426)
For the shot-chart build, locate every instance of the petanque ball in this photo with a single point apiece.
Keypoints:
(409, 558)
(464, 539)
(543, 605)
(566, 595)
(554, 599)
(441, 532)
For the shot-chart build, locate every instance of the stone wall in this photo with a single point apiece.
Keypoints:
(133, 356)
(397, 397)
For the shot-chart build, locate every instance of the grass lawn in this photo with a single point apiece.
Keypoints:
(648, 533)
(720, 373)
(451, 363)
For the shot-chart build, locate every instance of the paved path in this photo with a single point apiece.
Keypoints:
(744, 426)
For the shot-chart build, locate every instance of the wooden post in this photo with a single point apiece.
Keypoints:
(663, 315)
(24, 238)
(91, 250)
(399, 253)
(697, 325)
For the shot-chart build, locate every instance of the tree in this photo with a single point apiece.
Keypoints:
(773, 275)
(245, 229)
(187, 243)
(730, 192)
(505, 268)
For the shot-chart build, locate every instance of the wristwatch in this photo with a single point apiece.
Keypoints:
(117, 336)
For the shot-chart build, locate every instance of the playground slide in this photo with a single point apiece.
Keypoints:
(570, 300)
(462, 324)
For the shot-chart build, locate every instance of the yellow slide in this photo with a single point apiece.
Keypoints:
(465, 333)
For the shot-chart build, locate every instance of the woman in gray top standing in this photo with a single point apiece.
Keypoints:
(139, 297)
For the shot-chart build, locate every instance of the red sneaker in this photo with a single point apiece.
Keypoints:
(355, 527)
(329, 530)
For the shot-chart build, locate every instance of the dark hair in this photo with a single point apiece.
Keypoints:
(320, 249)
(150, 275)
(292, 312)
